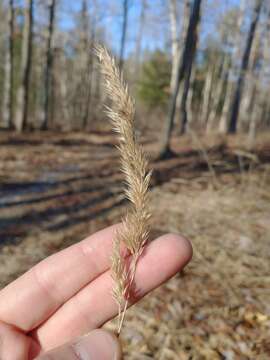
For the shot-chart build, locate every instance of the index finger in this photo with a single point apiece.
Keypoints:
(32, 298)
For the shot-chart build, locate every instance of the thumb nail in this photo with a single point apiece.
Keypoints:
(98, 345)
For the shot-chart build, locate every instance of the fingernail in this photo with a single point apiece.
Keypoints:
(98, 345)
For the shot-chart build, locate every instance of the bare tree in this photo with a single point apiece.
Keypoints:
(81, 73)
(266, 71)
(175, 41)
(63, 81)
(183, 121)
(254, 73)
(185, 66)
(23, 91)
(258, 95)
(191, 95)
(207, 92)
(178, 42)
(124, 33)
(49, 66)
(89, 68)
(215, 84)
(7, 108)
(220, 87)
(233, 69)
(244, 65)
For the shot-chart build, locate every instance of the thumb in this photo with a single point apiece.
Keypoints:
(97, 345)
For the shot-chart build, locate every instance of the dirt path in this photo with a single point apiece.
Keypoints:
(49, 183)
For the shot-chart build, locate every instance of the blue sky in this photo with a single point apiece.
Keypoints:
(155, 36)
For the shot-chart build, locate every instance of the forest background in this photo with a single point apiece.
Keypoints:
(199, 71)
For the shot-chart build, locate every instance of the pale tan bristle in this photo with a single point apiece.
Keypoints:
(135, 229)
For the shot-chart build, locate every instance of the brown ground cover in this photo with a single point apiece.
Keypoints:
(56, 189)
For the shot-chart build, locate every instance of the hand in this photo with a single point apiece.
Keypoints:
(69, 294)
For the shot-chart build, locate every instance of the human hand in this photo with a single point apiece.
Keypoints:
(45, 311)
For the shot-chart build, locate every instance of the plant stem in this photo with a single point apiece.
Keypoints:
(133, 272)
(122, 318)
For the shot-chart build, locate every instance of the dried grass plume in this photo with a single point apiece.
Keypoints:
(134, 232)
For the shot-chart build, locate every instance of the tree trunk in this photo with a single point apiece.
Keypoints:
(184, 65)
(220, 88)
(246, 103)
(8, 86)
(207, 92)
(257, 97)
(255, 114)
(190, 96)
(124, 33)
(49, 66)
(89, 83)
(265, 119)
(178, 46)
(253, 73)
(23, 91)
(244, 65)
(184, 121)
(138, 50)
(266, 110)
(175, 42)
(63, 81)
(223, 124)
